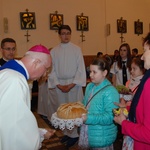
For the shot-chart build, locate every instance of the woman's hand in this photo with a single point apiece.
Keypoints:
(119, 118)
(121, 104)
(84, 117)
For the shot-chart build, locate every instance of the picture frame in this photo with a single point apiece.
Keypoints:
(27, 20)
(56, 20)
(82, 23)
(138, 27)
(121, 26)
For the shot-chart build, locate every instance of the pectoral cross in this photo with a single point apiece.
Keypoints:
(27, 35)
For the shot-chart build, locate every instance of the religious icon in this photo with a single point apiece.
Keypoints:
(27, 20)
(82, 23)
(138, 27)
(56, 20)
(121, 26)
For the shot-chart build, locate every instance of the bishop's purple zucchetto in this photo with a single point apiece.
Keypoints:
(39, 48)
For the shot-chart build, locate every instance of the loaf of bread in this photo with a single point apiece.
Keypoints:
(71, 110)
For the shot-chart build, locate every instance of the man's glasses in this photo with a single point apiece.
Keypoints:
(65, 33)
(9, 49)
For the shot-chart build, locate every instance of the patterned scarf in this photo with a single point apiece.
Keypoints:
(132, 113)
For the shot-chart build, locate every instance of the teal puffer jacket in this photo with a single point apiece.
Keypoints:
(102, 131)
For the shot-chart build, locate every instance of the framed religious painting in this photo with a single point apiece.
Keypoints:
(82, 23)
(27, 20)
(121, 26)
(138, 27)
(56, 20)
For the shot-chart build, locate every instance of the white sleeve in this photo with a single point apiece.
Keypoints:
(113, 69)
(42, 132)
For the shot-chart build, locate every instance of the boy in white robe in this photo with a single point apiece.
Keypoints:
(68, 76)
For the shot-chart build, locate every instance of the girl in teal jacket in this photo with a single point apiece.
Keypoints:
(99, 131)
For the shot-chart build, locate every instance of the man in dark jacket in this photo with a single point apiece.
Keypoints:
(8, 49)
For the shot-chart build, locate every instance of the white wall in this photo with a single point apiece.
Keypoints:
(100, 13)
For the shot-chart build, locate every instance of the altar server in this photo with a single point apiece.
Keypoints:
(68, 74)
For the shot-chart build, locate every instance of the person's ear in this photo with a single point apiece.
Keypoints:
(105, 73)
(36, 62)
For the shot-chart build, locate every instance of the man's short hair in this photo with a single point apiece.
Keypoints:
(7, 40)
(135, 50)
(99, 54)
(67, 27)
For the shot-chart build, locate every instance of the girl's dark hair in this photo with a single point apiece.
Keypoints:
(139, 63)
(129, 58)
(102, 64)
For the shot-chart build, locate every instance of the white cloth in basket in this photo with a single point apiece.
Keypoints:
(65, 123)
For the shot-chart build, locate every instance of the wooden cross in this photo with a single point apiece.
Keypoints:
(56, 12)
(27, 35)
(82, 33)
(27, 10)
(82, 36)
(122, 38)
(121, 27)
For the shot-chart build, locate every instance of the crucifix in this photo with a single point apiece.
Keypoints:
(27, 10)
(121, 28)
(56, 12)
(27, 35)
(82, 31)
(82, 36)
(122, 38)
